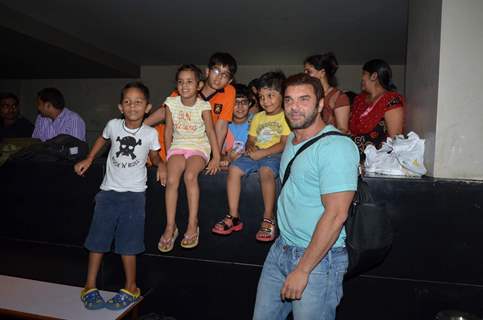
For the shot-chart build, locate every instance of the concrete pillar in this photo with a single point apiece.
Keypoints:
(444, 84)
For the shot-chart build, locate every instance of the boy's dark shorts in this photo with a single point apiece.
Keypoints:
(118, 216)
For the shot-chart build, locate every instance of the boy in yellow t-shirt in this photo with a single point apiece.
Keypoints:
(266, 140)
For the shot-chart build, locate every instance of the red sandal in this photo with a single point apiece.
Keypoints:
(266, 234)
(222, 228)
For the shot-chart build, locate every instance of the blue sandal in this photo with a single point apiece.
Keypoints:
(122, 299)
(92, 299)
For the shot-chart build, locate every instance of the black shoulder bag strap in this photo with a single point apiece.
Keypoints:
(305, 146)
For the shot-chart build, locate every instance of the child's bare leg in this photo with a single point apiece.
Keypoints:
(176, 166)
(95, 259)
(233, 189)
(129, 264)
(267, 182)
(194, 165)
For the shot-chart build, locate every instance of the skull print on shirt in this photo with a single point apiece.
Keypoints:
(127, 146)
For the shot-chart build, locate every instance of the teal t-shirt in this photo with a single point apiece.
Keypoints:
(329, 165)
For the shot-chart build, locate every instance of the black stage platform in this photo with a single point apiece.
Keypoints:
(436, 261)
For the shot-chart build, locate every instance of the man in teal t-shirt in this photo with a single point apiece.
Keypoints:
(304, 269)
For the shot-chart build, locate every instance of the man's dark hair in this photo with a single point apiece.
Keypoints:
(9, 95)
(301, 79)
(224, 59)
(272, 80)
(52, 95)
(190, 67)
(136, 85)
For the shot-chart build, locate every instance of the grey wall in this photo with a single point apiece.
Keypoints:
(444, 82)
(96, 99)
(459, 152)
(10, 86)
(160, 79)
(422, 72)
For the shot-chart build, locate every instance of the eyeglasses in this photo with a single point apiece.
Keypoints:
(8, 105)
(218, 72)
(243, 102)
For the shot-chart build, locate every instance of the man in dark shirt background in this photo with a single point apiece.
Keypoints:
(12, 124)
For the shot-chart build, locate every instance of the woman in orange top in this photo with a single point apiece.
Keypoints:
(377, 112)
(336, 103)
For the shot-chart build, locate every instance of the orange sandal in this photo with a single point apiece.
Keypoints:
(266, 234)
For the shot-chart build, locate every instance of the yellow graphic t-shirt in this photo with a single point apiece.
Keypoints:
(268, 129)
(188, 125)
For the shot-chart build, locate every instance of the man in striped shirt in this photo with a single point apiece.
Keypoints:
(54, 118)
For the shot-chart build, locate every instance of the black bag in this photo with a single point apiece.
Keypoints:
(369, 232)
(61, 147)
(368, 228)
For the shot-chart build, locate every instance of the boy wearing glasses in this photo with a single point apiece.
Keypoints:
(237, 135)
(217, 90)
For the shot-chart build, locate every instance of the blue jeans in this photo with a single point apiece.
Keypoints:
(319, 299)
(248, 165)
(118, 216)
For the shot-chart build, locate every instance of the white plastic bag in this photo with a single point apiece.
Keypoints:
(399, 156)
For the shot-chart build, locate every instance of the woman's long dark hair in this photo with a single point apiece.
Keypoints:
(326, 61)
(383, 71)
